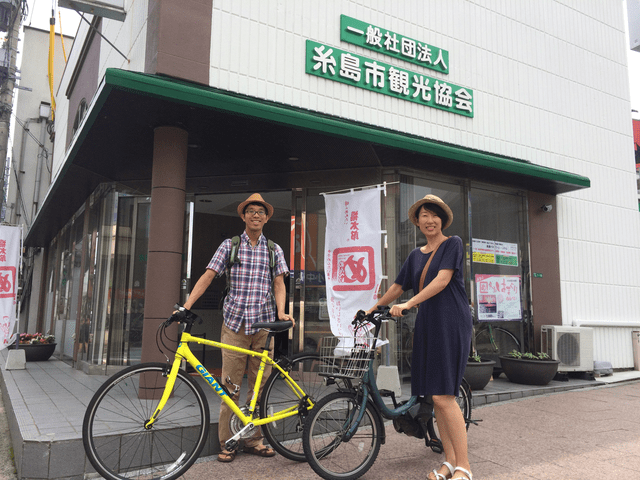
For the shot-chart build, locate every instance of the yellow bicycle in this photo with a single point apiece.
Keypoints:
(152, 420)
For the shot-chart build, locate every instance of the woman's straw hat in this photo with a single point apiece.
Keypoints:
(435, 201)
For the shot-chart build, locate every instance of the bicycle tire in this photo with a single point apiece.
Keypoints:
(505, 342)
(464, 401)
(327, 454)
(113, 433)
(285, 436)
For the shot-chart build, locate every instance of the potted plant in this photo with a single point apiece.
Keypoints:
(478, 371)
(37, 346)
(529, 368)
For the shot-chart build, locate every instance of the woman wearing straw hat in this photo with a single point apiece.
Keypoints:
(442, 335)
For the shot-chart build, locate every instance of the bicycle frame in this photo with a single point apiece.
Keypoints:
(369, 389)
(184, 352)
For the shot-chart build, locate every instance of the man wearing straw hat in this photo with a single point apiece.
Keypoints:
(248, 301)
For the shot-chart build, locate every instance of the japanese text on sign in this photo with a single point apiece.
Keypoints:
(390, 43)
(498, 253)
(341, 66)
(10, 247)
(498, 297)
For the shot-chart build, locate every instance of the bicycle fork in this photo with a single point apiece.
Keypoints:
(351, 424)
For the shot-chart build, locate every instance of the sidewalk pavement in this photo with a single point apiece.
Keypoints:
(533, 431)
(586, 434)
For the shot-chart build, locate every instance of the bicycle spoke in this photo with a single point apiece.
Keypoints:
(114, 434)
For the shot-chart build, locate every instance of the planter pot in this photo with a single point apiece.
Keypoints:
(529, 372)
(39, 352)
(478, 374)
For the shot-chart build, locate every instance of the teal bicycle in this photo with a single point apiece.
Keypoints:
(343, 433)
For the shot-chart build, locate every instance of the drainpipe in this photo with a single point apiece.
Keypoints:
(40, 158)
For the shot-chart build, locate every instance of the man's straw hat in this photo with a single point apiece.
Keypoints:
(255, 198)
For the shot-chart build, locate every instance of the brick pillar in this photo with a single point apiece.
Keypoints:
(166, 230)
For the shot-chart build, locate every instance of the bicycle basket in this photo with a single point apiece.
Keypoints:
(344, 359)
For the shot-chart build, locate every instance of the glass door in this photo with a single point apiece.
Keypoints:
(215, 218)
(307, 283)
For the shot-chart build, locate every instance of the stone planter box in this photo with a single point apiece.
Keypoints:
(478, 374)
(39, 352)
(529, 372)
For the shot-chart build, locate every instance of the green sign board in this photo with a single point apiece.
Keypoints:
(341, 66)
(390, 43)
(537, 275)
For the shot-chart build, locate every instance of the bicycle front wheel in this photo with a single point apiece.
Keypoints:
(114, 435)
(285, 436)
(327, 453)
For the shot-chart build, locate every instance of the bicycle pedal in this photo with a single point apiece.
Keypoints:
(434, 445)
(231, 445)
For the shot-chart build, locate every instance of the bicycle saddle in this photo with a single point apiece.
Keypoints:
(279, 326)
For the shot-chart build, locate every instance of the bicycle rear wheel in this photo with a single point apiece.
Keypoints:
(328, 455)
(115, 439)
(504, 340)
(285, 436)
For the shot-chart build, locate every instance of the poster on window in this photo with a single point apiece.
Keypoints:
(352, 256)
(498, 297)
(10, 247)
(496, 253)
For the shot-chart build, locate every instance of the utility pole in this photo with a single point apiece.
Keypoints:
(11, 13)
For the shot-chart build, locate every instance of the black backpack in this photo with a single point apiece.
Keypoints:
(234, 259)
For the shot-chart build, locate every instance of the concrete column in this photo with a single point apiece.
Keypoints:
(166, 230)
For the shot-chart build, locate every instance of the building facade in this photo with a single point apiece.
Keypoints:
(31, 164)
(516, 114)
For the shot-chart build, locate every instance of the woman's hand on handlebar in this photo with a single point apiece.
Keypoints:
(399, 310)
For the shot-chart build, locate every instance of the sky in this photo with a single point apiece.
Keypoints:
(40, 13)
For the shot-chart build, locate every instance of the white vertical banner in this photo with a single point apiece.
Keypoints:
(10, 247)
(353, 265)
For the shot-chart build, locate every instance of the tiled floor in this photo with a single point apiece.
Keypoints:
(45, 404)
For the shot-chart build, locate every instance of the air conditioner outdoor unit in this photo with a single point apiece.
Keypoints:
(573, 346)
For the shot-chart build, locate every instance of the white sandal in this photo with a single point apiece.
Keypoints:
(440, 476)
(466, 472)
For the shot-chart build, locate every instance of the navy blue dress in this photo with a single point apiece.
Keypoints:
(442, 335)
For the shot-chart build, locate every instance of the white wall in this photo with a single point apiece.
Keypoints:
(129, 37)
(550, 87)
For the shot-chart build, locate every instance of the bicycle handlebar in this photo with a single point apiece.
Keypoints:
(182, 315)
(376, 317)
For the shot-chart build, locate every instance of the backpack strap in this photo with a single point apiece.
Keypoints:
(272, 259)
(234, 259)
(233, 256)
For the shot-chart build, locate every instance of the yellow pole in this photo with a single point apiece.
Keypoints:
(64, 52)
(52, 38)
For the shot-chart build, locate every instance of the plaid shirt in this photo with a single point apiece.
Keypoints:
(249, 298)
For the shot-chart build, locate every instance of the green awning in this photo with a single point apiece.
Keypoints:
(237, 134)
